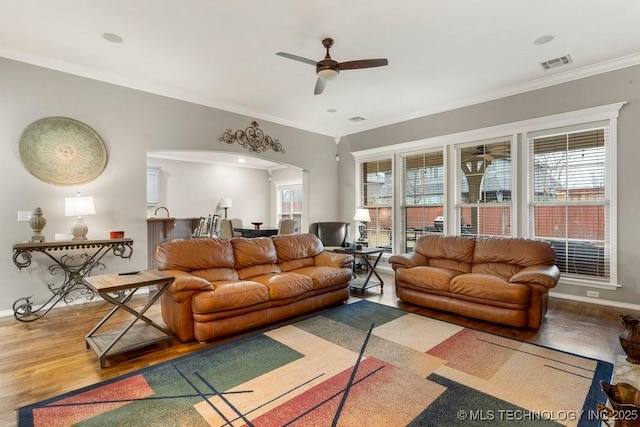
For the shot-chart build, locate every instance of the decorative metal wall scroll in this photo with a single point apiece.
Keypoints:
(253, 139)
(62, 151)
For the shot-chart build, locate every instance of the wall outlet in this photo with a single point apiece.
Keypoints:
(593, 294)
(24, 216)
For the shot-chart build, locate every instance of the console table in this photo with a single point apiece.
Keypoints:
(71, 268)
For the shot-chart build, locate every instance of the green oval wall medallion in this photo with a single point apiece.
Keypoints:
(62, 151)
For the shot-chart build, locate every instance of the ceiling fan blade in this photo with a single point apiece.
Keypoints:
(320, 84)
(297, 58)
(363, 63)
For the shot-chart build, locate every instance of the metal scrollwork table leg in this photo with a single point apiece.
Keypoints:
(70, 268)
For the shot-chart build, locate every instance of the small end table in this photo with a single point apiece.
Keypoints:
(364, 283)
(118, 289)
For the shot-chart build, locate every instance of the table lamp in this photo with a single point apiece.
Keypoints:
(225, 203)
(362, 215)
(79, 206)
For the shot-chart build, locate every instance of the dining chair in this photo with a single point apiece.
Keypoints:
(236, 223)
(226, 229)
(287, 226)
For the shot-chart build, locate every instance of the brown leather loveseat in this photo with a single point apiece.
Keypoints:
(496, 279)
(226, 286)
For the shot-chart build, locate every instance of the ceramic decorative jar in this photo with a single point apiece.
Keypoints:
(630, 337)
(625, 405)
(37, 223)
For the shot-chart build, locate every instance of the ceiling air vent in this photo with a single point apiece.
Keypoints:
(356, 119)
(556, 62)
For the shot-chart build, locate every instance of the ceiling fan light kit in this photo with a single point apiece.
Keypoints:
(328, 69)
(327, 74)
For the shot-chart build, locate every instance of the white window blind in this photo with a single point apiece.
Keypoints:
(423, 196)
(484, 188)
(376, 195)
(569, 196)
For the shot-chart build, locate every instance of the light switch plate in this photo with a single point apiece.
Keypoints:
(24, 216)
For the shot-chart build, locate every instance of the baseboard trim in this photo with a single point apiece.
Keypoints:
(80, 301)
(597, 301)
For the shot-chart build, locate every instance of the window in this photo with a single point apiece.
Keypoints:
(376, 195)
(550, 178)
(484, 188)
(569, 197)
(423, 185)
(290, 203)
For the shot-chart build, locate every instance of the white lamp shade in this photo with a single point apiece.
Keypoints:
(362, 215)
(225, 203)
(79, 206)
(327, 74)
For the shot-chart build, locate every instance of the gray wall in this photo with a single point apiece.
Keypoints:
(617, 86)
(131, 123)
(192, 190)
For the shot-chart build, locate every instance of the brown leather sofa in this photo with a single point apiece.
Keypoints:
(223, 287)
(496, 279)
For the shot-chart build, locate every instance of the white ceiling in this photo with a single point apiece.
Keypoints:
(442, 53)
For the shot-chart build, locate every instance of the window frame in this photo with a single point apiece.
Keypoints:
(361, 203)
(428, 228)
(288, 185)
(512, 203)
(610, 196)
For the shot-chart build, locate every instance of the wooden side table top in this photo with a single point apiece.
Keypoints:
(107, 283)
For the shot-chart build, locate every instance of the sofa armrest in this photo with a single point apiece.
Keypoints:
(333, 259)
(546, 276)
(185, 285)
(407, 260)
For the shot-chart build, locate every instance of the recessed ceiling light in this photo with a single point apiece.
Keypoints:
(240, 160)
(543, 39)
(331, 110)
(356, 119)
(113, 38)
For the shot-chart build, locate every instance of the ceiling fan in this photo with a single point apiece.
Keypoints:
(487, 152)
(328, 69)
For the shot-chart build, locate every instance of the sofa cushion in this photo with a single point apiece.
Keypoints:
(254, 257)
(496, 269)
(216, 274)
(456, 248)
(285, 285)
(325, 277)
(434, 278)
(256, 251)
(297, 251)
(490, 288)
(194, 254)
(248, 273)
(297, 246)
(229, 296)
(295, 264)
(513, 250)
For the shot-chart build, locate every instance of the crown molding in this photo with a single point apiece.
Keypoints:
(145, 86)
(541, 83)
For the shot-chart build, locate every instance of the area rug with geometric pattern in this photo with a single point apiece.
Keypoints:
(360, 364)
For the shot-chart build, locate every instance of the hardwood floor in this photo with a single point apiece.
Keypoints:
(48, 357)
